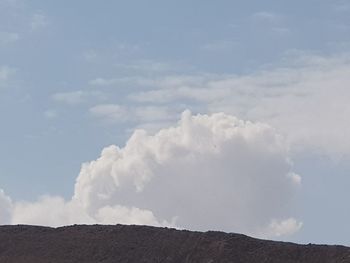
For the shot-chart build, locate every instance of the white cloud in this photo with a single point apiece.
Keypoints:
(180, 93)
(264, 16)
(296, 178)
(104, 82)
(275, 23)
(149, 66)
(305, 100)
(74, 97)
(12, 3)
(114, 113)
(5, 208)
(49, 211)
(152, 113)
(341, 7)
(208, 172)
(110, 112)
(38, 21)
(90, 55)
(50, 114)
(223, 45)
(281, 30)
(5, 73)
(8, 37)
(128, 215)
(55, 211)
(125, 48)
(281, 228)
(77, 97)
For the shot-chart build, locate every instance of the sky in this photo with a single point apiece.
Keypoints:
(225, 115)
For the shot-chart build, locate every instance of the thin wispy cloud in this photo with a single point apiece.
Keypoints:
(110, 112)
(224, 45)
(6, 75)
(78, 97)
(272, 96)
(114, 113)
(50, 114)
(265, 16)
(104, 82)
(8, 37)
(38, 21)
(90, 55)
(6, 72)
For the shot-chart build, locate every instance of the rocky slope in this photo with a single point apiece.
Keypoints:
(119, 243)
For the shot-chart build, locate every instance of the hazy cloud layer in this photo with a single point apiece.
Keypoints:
(207, 172)
(298, 99)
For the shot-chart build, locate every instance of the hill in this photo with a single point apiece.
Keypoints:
(141, 244)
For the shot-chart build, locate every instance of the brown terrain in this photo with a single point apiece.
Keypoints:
(120, 243)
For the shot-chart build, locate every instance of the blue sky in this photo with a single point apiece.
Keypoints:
(76, 77)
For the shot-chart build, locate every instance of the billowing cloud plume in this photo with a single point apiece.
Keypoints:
(208, 172)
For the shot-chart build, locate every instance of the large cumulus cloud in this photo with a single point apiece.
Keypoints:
(208, 172)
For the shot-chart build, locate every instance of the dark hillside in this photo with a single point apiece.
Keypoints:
(119, 243)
